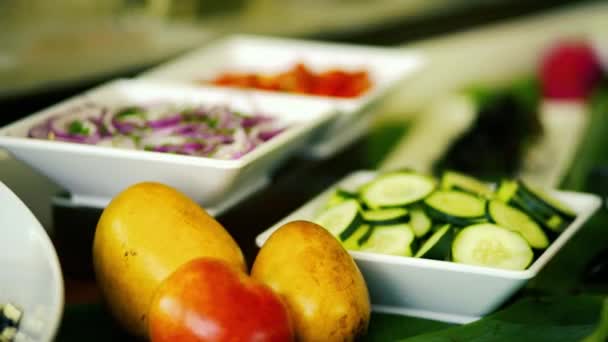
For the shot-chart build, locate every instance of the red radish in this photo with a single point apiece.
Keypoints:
(570, 70)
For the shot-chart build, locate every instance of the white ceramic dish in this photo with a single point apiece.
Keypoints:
(95, 174)
(441, 290)
(387, 68)
(31, 276)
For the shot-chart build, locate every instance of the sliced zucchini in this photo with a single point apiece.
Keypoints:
(394, 240)
(420, 222)
(513, 219)
(547, 200)
(396, 190)
(353, 243)
(341, 220)
(388, 216)
(455, 207)
(438, 245)
(493, 246)
(452, 180)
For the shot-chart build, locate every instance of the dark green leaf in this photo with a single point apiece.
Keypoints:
(552, 319)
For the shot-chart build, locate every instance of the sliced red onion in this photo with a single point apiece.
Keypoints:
(215, 132)
(166, 122)
(40, 131)
(267, 135)
(251, 121)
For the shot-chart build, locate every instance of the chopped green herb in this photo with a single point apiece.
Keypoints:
(77, 127)
(130, 111)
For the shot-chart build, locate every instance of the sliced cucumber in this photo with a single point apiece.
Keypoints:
(506, 190)
(542, 214)
(452, 180)
(490, 245)
(339, 196)
(394, 240)
(455, 207)
(438, 245)
(341, 220)
(353, 243)
(547, 200)
(396, 190)
(388, 216)
(420, 222)
(513, 219)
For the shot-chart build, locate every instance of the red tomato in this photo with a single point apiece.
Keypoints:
(209, 300)
(301, 80)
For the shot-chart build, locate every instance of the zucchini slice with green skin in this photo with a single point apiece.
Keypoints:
(353, 243)
(342, 219)
(438, 245)
(396, 190)
(420, 222)
(493, 246)
(388, 216)
(393, 240)
(452, 180)
(547, 200)
(455, 207)
(513, 219)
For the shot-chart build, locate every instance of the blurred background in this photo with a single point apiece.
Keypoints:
(51, 45)
(50, 50)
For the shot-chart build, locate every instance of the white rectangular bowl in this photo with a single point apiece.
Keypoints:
(387, 68)
(435, 289)
(95, 174)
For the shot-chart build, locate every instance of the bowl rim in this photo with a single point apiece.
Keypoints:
(50, 252)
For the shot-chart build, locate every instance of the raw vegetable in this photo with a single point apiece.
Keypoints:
(452, 180)
(517, 221)
(300, 79)
(386, 216)
(395, 240)
(397, 190)
(401, 213)
(214, 132)
(490, 245)
(341, 220)
(10, 317)
(455, 207)
(361, 234)
(438, 245)
(546, 210)
(420, 222)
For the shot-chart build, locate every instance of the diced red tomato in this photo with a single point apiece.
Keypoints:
(301, 80)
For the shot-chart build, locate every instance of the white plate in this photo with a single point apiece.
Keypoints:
(441, 290)
(387, 68)
(31, 277)
(95, 174)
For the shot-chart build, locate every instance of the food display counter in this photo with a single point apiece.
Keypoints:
(421, 113)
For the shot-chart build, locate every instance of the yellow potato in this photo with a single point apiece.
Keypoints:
(321, 284)
(144, 234)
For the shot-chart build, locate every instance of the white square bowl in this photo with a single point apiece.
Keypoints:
(440, 290)
(386, 67)
(95, 174)
(31, 276)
